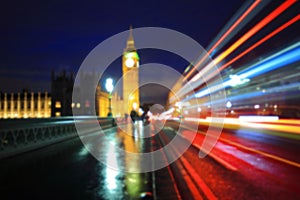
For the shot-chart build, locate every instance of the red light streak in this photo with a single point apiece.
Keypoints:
(225, 35)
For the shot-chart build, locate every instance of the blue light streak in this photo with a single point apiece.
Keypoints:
(278, 60)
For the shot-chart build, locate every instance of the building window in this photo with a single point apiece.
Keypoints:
(57, 104)
(57, 114)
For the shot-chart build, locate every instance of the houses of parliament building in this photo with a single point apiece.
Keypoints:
(25, 105)
(59, 101)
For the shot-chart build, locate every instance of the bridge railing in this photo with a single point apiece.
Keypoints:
(18, 136)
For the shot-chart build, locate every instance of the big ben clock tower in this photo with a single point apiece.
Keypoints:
(130, 65)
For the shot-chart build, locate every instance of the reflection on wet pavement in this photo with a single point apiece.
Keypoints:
(67, 170)
(119, 183)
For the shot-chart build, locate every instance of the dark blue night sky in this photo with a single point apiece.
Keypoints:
(38, 36)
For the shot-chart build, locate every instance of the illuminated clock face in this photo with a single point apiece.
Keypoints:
(129, 62)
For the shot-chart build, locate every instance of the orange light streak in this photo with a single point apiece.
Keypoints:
(255, 29)
(225, 35)
(281, 125)
(252, 31)
(295, 19)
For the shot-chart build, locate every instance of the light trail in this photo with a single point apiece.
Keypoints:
(268, 155)
(226, 34)
(270, 35)
(280, 59)
(246, 36)
(256, 94)
(233, 121)
(244, 15)
(282, 127)
(252, 118)
(284, 57)
(255, 29)
(207, 72)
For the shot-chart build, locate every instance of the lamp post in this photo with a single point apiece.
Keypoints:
(109, 87)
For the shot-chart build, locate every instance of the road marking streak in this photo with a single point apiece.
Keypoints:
(218, 159)
(215, 157)
(197, 179)
(295, 164)
(193, 180)
(193, 189)
(261, 153)
(206, 190)
(172, 176)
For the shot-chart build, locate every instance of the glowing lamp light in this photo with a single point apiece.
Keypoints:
(109, 85)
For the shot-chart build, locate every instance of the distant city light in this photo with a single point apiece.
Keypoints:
(134, 105)
(57, 104)
(178, 104)
(141, 111)
(57, 114)
(228, 104)
(237, 80)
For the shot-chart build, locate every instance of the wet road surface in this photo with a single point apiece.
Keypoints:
(68, 171)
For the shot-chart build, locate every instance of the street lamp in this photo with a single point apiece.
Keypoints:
(109, 87)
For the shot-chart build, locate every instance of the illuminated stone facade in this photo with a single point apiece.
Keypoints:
(102, 102)
(25, 105)
(130, 75)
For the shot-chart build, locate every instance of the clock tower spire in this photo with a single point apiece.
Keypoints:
(130, 69)
(130, 42)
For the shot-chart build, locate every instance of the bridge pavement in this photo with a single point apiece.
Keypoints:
(67, 170)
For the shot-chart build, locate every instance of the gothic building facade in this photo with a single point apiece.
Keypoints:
(25, 105)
